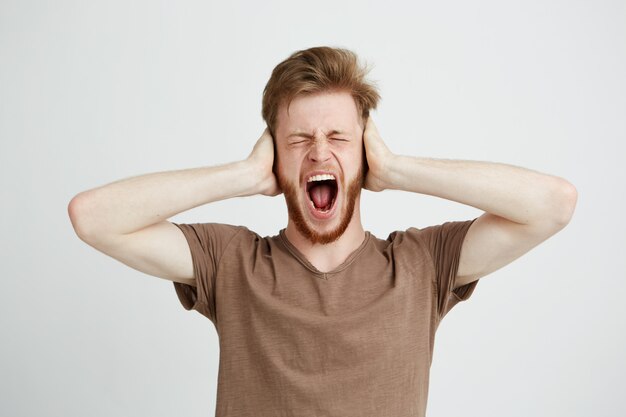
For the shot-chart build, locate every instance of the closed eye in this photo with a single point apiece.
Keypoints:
(295, 142)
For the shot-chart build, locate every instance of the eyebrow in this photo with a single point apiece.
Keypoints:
(308, 135)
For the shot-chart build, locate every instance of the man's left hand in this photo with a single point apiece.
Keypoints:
(378, 156)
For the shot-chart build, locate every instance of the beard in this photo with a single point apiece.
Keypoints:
(296, 213)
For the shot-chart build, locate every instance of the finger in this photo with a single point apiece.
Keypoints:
(372, 125)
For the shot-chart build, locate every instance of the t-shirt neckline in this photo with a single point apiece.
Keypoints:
(305, 262)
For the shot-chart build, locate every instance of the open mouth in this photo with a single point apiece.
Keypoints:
(322, 191)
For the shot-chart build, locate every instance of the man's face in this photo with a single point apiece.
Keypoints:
(319, 146)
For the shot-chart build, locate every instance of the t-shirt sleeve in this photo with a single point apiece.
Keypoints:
(444, 243)
(207, 242)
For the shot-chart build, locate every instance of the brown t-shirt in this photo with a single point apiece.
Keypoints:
(297, 342)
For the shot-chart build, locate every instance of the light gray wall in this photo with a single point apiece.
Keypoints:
(95, 91)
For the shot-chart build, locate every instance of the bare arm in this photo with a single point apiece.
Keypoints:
(127, 219)
(522, 207)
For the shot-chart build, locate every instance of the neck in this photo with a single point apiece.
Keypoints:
(326, 257)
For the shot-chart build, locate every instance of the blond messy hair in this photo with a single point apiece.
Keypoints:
(314, 70)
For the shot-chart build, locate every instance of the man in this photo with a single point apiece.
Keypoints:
(323, 318)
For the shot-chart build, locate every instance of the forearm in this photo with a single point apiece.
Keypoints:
(131, 204)
(517, 194)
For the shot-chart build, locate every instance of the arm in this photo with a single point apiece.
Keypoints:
(522, 207)
(127, 219)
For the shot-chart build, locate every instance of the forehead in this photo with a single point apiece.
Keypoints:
(326, 111)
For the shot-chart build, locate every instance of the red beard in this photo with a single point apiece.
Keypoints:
(297, 216)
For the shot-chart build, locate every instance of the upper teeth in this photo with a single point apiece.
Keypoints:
(322, 177)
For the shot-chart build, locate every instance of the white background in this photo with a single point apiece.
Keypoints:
(96, 91)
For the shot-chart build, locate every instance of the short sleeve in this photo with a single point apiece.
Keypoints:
(444, 243)
(207, 243)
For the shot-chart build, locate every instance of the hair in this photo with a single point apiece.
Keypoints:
(314, 70)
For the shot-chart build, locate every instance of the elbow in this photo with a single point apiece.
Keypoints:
(565, 197)
(75, 211)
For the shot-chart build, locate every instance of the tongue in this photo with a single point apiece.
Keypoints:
(321, 195)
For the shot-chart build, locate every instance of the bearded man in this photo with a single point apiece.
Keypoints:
(323, 318)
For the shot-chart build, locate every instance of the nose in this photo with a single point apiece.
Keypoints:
(320, 149)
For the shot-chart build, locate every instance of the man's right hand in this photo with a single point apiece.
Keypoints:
(262, 159)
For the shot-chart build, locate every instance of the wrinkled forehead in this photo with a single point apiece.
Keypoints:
(325, 112)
